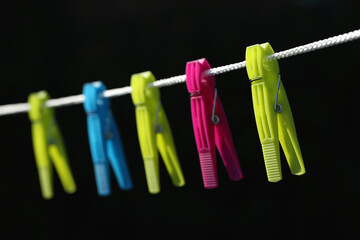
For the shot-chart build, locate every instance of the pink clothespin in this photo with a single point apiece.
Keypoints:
(210, 125)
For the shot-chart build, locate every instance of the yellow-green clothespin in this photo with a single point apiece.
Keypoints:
(273, 115)
(154, 132)
(48, 144)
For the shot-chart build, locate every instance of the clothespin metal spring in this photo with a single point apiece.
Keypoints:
(277, 106)
(214, 118)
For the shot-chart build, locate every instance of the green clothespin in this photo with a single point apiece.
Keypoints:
(154, 132)
(273, 115)
(48, 144)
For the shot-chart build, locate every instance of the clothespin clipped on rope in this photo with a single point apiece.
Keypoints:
(273, 115)
(48, 145)
(210, 125)
(104, 139)
(154, 132)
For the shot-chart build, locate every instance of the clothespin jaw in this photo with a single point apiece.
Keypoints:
(154, 132)
(104, 139)
(272, 113)
(48, 144)
(210, 125)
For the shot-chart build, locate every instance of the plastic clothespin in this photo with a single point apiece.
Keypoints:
(104, 139)
(154, 132)
(48, 144)
(210, 125)
(273, 115)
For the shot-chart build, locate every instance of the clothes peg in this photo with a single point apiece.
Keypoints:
(104, 139)
(210, 125)
(48, 145)
(273, 115)
(154, 132)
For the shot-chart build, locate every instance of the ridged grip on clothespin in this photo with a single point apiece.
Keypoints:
(166, 146)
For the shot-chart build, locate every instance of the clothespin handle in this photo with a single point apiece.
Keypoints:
(166, 146)
(96, 106)
(116, 154)
(147, 141)
(146, 102)
(202, 94)
(58, 155)
(287, 135)
(225, 144)
(263, 88)
(42, 159)
(98, 153)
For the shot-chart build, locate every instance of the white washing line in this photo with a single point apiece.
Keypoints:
(78, 99)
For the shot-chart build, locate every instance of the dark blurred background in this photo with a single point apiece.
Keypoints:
(60, 45)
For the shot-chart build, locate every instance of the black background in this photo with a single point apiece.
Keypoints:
(58, 46)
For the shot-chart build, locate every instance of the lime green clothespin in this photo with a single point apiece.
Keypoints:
(273, 115)
(48, 144)
(154, 132)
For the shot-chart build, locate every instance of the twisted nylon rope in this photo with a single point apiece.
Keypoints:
(78, 99)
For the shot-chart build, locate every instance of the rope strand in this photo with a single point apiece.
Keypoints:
(78, 99)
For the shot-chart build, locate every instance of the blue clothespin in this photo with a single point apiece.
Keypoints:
(104, 139)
